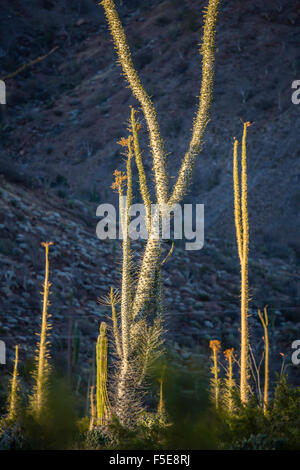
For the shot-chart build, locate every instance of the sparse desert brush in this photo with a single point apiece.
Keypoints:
(139, 339)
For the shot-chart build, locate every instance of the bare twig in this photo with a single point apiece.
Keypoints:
(29, 64)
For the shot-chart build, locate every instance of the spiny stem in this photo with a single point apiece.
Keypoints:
(43, 368)
(156, 143)
(115, 323)
(244, 273)
(237, 201)
(265, 322)
(142, 175)
(12, 410)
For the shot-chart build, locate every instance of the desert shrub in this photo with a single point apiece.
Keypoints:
(95, 439)
(279, 428)
(56, 428)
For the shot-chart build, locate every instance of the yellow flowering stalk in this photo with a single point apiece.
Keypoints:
(14, 389)
(229, 381)
(215, 346)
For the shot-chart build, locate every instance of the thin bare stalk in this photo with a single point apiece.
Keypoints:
(265, 322)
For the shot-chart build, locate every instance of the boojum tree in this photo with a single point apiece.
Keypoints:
(41, 372)
(14, 389)
(242, 236)
(136, 296)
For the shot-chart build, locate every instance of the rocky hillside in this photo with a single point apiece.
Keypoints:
(59, 130)
(201, 288)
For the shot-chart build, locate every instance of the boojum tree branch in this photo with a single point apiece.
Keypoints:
(202, 116)
(13, 397)
(242, 234)
(156, 143)
(42, 370)
(237, 201)
(126, 297)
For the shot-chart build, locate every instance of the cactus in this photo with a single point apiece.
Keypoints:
(228, 401)
(103, 406)
(242, 234)
(265, 323)
(14, 388)
(215, 346)
(41, 373)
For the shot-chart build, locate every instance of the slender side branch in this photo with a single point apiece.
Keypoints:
(42, 371)
(156, 143)
(29, 64)
(215, 346)
(115, 323)
(237, 200)
(142, 175)
(126, 292)
(13, 397)
(202, 116)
